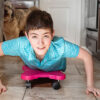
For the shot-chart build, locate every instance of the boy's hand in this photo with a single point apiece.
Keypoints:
(2, 88)
(95, 91)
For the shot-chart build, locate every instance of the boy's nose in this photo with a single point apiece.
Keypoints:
(40, 42)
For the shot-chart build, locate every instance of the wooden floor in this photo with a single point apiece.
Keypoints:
(72, 88)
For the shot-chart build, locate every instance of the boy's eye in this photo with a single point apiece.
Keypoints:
(34, 36)
(46, 36)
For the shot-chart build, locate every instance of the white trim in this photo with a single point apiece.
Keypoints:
(83, 24)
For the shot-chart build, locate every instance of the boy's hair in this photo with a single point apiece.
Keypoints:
(39, 19)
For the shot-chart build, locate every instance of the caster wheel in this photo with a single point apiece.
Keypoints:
(56, 85)
(28, 84)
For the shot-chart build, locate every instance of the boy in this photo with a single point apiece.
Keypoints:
(39, 48)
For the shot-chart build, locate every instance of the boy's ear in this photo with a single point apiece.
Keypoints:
(53, 34)
(26, 34)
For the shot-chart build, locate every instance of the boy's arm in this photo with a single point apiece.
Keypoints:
(88, 62)
(1, 52)
(2, 87)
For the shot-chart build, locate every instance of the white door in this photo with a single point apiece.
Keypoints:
(66, 15)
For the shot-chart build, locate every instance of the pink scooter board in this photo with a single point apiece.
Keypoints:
(31, 74)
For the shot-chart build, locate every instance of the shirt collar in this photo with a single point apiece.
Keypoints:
(50, 54)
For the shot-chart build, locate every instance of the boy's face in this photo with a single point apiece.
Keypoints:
(40, 40)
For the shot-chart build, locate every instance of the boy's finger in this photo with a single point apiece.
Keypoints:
(4, 90)
(95, 93)
(87, 92)
(0, 91)
(98, 93)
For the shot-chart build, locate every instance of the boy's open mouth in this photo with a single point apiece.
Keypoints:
(41, 48)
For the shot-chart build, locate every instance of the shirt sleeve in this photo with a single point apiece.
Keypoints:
(70, 49)
(11, 47)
